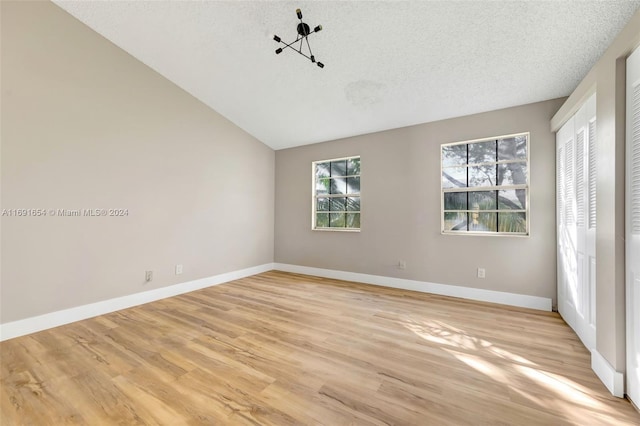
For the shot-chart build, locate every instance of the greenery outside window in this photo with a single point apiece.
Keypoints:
(336, 194)
(485, 186)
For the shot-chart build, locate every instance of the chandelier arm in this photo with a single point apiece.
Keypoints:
(309, 46)
(296, 40)
(293, 48)
(289, 44)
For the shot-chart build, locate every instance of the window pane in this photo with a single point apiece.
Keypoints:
(512, 173)
(338, 186)
(455, 201)
(482, 221)
(353, 204)
(332, 188)
(455, 221)
(512, 148)
(338, 204)
(323, 186)
(482, 152)
(322, 220)
(455, 177)
(353, 220)
(454, 155)
(353, 185)
(482, 200)
(322, 204)
(323, 169)
(337, 220)
(482, 175)
(512, 222)
(473, 165)
(353, 166)
(339, 168)
(514, 199)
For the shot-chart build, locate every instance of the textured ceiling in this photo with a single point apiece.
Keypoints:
(388, 64)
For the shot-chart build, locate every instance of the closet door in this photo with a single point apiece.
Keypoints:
(590, 230)
(633, 226)
(585, 174)
(575, 169)
(567, 271)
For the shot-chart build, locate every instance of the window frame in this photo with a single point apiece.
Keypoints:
(526, 187)
(315, 196)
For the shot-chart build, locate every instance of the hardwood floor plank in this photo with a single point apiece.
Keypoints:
(288, 349)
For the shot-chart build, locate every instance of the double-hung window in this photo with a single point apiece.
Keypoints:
(485, 186)
(336, 194)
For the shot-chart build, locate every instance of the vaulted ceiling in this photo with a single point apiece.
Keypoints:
(388, 64)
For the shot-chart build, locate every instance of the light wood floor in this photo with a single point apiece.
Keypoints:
(283, 349)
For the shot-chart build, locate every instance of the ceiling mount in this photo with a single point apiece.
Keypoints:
(304, 31)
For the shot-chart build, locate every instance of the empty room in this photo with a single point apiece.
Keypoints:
(320, 212)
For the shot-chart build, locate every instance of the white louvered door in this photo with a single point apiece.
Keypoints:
(560, 178)
(584, 128)
(566, 224)
(575, 170)
(633, 226)
(591, 213)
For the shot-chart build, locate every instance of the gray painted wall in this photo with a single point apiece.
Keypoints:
(85, 125)
(401, 208)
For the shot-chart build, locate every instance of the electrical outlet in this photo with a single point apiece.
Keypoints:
(148, 276)
(402, 264)
(481, 273)
(178, 269)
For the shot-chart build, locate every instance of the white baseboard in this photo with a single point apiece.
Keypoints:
(54, 319)
(512, 299)
(66, 316)
(612, 379)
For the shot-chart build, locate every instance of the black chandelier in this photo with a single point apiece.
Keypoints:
(304, 31)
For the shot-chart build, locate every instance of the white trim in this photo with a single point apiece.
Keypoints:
(491, 138)
(66, 316)
(521, 300)
(612, 379)
(54, 319)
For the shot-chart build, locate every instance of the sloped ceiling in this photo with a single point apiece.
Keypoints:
(388, 64)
